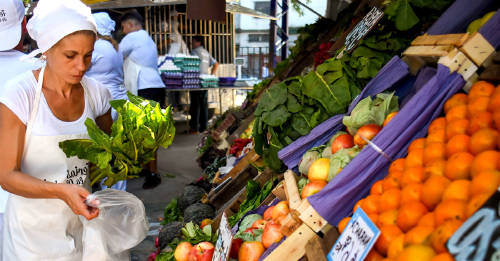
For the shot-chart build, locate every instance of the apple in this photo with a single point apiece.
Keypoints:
(343, 141)
(205, 222)
(201, 252)
(259, 223)
(250, 251)
(318, 171)
(182, 251)
(312, 187)
(272, 234)
(280, 209)
(235, 247)
(389, 118)
(268, 213)
(368, 131)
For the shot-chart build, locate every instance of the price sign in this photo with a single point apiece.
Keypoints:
(223, 245)
(362, 28)
(479, 237)
(356, 240)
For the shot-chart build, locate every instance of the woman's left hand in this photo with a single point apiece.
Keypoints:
(75, 197)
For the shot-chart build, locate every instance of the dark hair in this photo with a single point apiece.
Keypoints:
(198, 38)
(132, 15)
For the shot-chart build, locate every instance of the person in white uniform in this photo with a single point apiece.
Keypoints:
(107, 68)
(141, 74)
(39, 109)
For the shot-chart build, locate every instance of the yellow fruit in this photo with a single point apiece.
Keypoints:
(318, 171)
(416, 253)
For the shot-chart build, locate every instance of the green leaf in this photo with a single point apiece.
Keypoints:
(315, 87)
(276, 117)
(292, 104)
(392, 8)
(300, 124)
(294, 86)
(330, 77)
(272, 98)
(340, 159)
(405, 17)
(362, 51)
(258, 137)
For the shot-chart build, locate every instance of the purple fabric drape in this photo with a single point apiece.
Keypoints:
(491, 30)
(337, 199)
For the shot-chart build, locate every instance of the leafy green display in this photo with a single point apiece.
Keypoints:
(403, 14)
(142, 126)
(171, 212)
(193, 234)
(340, 159)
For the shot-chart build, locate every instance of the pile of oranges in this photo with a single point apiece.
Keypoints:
(443, 180)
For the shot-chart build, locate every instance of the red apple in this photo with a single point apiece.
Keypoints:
(280, 209)
(368, 131)
(272, 234)
(205, 222)
(201, 252)
(235, 247)
(250, 251)
(312, 187)
(268, 213)
(343, 141)
(259, 223)
(389, 118)
(182, 251)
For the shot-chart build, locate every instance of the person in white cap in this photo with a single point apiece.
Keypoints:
(38, 109)
(12, 32)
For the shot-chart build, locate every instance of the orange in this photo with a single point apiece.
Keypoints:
(496, 118)
(417, 144)
(415, 158)
(443, 257)
(437, 124)
(390, 183)
(373, 217)
(442, 233)
(396, 247)
(411, 192)
(373, 256)
(436, 136)
(409, 214)
(413, 175)
(434, 151)
(387, 235)
(390, 200)
(455, 100)
(435, 168)
(387, 218)
(449, 209)
(458, 143)
(475, 203)
(494, 101)
(432, 190)
(456, 113)
(418, 235)
(482, 140)
(477, 104)
(457, 189)
(456, 127)
(485, 182)
(481, 88)
(397, 165)
(371, 204)
(458, 165)
(358, 204)
(396, 174)
(343, 223)
(377, 188)
(427, 220)
(479, 121)
(486, 160)
(416, 253)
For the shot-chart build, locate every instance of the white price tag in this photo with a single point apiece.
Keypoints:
(356, 240)
(223, 245)
(362, 28)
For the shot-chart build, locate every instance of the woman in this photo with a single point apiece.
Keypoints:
(38, 110)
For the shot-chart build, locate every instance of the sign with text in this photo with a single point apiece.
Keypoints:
(479, 237)
(223, 245)
(362, 28)
(356, 240)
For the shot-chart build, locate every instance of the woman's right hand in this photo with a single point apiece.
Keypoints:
(75, 197)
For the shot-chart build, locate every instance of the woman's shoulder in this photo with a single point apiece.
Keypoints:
(22, 85)
(99, 94)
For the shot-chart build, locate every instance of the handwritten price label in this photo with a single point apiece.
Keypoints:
(362, 28)
(221, 252)
(358, 238)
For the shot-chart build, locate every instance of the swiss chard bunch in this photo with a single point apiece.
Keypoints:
(142, 126)
(405, 13)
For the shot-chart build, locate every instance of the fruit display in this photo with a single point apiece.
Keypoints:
(475, 25)
(443, 180)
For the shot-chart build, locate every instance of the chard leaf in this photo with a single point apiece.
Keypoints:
(292, 104)
(315, 87)
(276, 117)
(272, 98)
(405, 17)
(300, 124)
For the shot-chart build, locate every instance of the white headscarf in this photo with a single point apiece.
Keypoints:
(54, 19)
(105, 25)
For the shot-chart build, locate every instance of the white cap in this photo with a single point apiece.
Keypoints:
(105, 25)
(11, 18)
(54, 19)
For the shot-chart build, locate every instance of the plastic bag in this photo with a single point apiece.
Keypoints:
(121, 225)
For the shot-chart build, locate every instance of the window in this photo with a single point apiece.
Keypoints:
(263, 7)
(257, 38)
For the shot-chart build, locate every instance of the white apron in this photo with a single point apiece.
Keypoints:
(131, 75)
(45, 229)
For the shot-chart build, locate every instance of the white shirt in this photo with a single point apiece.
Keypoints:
(19, 95)
(141, 49)
(11, 65)
(107, 68)
(206, 60)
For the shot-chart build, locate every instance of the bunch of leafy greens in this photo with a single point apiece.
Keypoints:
(207, 143)
(249, 234)
(405, 13)
(142, 126)
(172, 212)
(212, 169)
(254, 197)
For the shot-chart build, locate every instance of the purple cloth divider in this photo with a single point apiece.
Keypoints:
(271, 248)
(459, 15)
(491, 30)
(391, 73)
(337, 199)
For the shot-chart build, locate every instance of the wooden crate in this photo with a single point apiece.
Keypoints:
(491, 72)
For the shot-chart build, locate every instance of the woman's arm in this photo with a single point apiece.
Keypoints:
(104, 122)
(12, 132)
